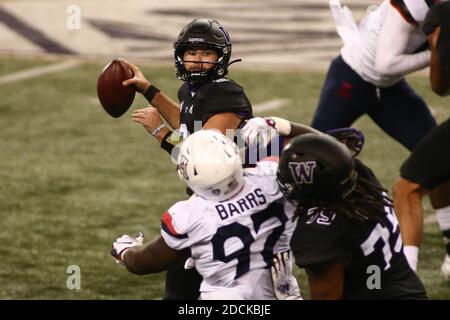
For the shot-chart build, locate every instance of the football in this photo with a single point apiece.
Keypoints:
(114, 97)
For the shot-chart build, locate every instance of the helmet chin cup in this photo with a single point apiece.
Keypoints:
(197, 77)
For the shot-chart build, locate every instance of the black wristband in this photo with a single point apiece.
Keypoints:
(150, 93)
(166, 145)
(170, 142)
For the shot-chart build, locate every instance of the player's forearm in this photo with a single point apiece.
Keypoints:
(290, 129)
(168, 108)
(299, 129)
(405, 63)
(439, 78)
(391, 59)
(154, 257)
(145, 259)
(132, 261)
(161, 134)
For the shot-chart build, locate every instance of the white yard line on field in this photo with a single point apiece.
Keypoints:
(270, 105)
(39, 71)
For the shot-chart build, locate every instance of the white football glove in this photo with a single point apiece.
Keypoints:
(284, 283)
(344, 22)
(125, 242)
(259, 131)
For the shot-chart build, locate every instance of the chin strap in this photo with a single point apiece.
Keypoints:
(234, 61)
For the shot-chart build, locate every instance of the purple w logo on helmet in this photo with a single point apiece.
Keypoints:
(303, 172)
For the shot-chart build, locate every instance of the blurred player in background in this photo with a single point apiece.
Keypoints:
(368, 78)
(428, 166)
(232, 225)
(208, 99)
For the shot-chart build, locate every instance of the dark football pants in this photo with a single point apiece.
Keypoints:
(182, 284)
(429, 163)
(398, 110)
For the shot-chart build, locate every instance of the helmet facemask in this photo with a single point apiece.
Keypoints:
(202, 75)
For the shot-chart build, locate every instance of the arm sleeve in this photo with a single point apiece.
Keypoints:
(225, 96)
(391, 59)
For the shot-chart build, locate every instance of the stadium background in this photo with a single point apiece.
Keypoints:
(73, 179)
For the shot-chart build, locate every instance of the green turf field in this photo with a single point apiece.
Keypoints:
(73, 179)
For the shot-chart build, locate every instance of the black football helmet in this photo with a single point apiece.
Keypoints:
(316, 170)
(203, 33)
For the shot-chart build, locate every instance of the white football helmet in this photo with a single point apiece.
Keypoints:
(209, 163)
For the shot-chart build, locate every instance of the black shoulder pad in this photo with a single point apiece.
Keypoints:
(437, 16)
(401, 7)
(226, 84)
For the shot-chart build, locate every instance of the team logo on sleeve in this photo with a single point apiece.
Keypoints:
(303, 172)
(182, 170)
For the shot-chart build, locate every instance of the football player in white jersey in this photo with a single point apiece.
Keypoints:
(368, 75)
(231, 227)
(368, 78)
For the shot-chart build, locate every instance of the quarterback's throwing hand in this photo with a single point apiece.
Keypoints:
(125, 242)
(139, 81)
(284, 283)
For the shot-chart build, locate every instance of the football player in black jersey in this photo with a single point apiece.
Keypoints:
(428, 166)
(347, 237)
(208, 100)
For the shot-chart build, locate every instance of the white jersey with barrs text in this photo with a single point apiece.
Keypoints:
(232, 242)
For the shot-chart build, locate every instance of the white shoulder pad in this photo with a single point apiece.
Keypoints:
(264, 175)
(175, 221)
(268, 167)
